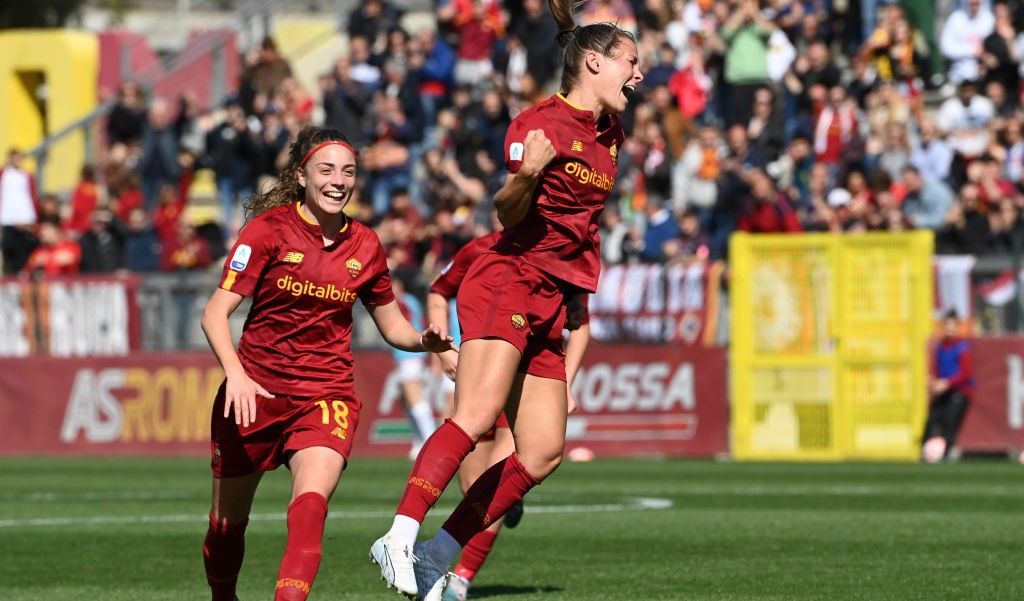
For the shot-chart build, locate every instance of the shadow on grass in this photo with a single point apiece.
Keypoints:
(499, 590)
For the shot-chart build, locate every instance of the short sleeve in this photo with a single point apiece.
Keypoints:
(377, 289)
(248, 258)
(514, 144)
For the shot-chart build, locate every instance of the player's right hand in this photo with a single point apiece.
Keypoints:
(240, 394)
(449, 361)
(537, 153)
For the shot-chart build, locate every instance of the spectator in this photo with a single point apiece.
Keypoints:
(479, 25)
(692, 244)
(746, 33)
(698, 172)
(19, 213)
(932, 156)
(619, 12)
(950, 386)
(661, 227)
(536, 31)
(141, 243)
(185, 251)
(56, 253)
(373, 19)
(836, 127)
(234, 153)
(127, 119)
(1002, 57)
(265, 71)
(966, 230)
(765, 210)
(963, 37)
(84, 200)
(765, 129)
(613, 235)
(927, 201)
(158, 157)
(102, 244)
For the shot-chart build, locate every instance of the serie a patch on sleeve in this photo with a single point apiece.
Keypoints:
(241, 257)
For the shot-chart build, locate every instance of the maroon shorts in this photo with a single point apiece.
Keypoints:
(283, 425)
(504, 297)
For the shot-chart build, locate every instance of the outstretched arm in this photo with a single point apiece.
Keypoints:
(399, 333)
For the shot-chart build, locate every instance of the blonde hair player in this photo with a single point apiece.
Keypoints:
(562, 158)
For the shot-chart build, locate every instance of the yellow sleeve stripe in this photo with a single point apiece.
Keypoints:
(229, 280)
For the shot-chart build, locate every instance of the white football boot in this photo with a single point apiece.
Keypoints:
(396, 565)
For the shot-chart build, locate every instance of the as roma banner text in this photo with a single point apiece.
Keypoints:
(635, 399)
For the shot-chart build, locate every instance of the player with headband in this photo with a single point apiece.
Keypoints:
(288, 395)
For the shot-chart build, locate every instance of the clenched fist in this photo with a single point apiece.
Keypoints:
(537, 153)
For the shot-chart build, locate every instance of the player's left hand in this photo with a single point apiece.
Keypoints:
(434, 342)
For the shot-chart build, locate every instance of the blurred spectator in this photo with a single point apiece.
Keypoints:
(84, 200)
(932, 156)
(434, 72)
(661, 227)
(346, 102)
(691, 244)
(963, 37)
(158, 156)
(185, 250)
(746, 33)
(141, 243)
(966, 230)
(19, 213)
(102, 244)
(536, 31)
(372, 19)
(1002, 57)
(128, 117)
(698, 172)
(836, 127)
(613, 235)
(619, 12)
(765, 129)
(479, 25)
(234, 154)
(766, 210)
(264, 71)
(56, 253)
(926, 201)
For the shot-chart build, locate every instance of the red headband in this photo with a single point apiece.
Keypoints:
(327, 143)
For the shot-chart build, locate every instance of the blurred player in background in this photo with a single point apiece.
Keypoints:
(562, 160)
(412, 371)
(288, 395)
(950, 387)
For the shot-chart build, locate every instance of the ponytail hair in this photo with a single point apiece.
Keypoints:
(288, 189)
(575, 41)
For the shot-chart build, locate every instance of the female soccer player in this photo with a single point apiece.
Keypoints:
(497, 443)
(561, 156)
(288, 395)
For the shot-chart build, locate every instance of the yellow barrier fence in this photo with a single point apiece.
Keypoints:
(828, 345)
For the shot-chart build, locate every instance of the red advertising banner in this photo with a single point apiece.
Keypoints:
(676, 304)
(634, 399)
(78, 316)
(995, 416)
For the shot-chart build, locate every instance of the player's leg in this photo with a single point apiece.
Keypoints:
(486, 370)
(224, 545)
(411, 374)
(540, 407)
(475, 554)
(952, 418)
(315, 474)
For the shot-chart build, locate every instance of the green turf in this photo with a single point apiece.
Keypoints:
(733, 532)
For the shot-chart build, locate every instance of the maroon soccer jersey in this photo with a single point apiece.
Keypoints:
(297, 336)
(559, 234)
(448, 282)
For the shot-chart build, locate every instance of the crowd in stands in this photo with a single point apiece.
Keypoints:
(753, 116)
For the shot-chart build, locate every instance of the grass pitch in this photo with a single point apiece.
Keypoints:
(116, 529)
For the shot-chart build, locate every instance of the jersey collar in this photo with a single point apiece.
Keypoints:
(314, 228)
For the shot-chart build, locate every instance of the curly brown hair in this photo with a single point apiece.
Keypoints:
(288, 189)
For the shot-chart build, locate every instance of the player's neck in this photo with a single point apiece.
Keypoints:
(330, 225)
(583, 100)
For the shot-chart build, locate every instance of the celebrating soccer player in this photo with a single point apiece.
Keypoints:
(562, 160)
(288, 395)
(497, 443)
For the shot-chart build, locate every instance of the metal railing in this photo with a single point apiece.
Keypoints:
(253, 23)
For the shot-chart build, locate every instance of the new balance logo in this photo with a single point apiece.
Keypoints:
(339, 433)
(293, 257)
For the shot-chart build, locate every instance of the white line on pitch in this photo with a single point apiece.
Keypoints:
(637, 504)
